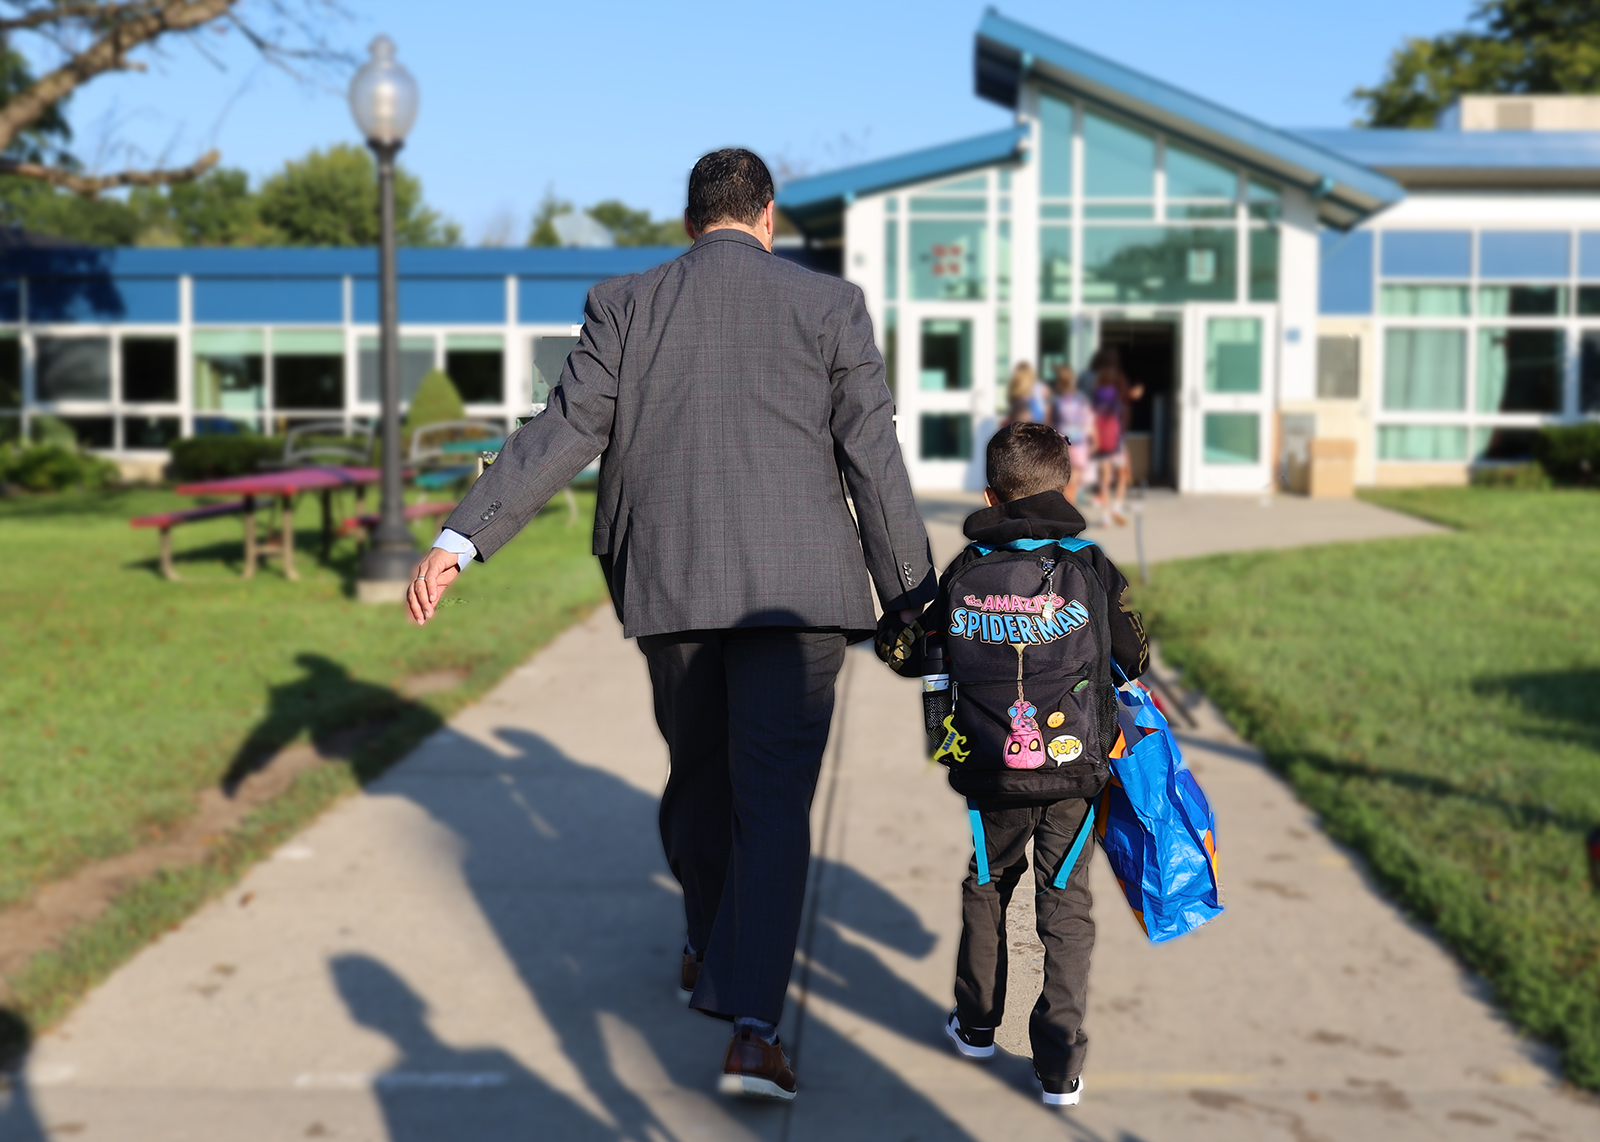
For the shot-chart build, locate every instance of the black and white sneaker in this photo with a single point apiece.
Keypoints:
(1060, 1092)
(973, 1042)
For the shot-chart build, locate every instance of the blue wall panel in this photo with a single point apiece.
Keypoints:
(438, 301)
(1524, 253)
(1346, 272)
(1427, 253)
(102, 297)
(269, 299)
(552, 300)
(1589, 255)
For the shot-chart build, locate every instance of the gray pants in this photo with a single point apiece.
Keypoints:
(1065, 929)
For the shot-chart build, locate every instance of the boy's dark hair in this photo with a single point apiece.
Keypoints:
(1026, 458)
(730, 185)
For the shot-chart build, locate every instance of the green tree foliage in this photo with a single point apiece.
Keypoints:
(45, 139)
(40, 208)
(330, 198)
(217, 209)
(1511, 47)
(628, 227)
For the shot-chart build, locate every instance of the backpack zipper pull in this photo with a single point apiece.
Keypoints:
(1049, 567)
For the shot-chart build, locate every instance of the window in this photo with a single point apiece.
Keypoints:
(891, 259)
(476, 363)
(1523, 253)
(1002, 349)
(946, 436)
(1192, 176)
(152, 432)
(1055, 162)
(967, 204)
(947, 260)
(1425, 301)
(10, 429)
(416, 362)
(308, 369)
(1264, 264)
(1421, 442)
(1233, 355)
(1589, 373)
(1118, 161)
(1522, 301)
(150, 369)
(92, 431)
(1519, 370)
(10, 371)
(1425, 369)
(1055, 346)
(1155, 263)
(229, 378)
(1266, 202)
(549, 357)
(1002, 259)
(1503, 443)
(1232, 438)
(1338, 367)
(1589, 301)
(891, 351)
(1427, 253)
(1055, 263)
(946, 356)
(73, 368)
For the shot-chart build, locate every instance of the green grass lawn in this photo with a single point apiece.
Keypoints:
(122, 695)
(1437, 701)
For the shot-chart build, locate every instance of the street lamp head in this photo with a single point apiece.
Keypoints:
(383, 96)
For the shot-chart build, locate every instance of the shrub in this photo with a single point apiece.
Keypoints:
(52, 467)
(215, 457)
(1522, 477)
(437, 400)
(50, 430)
(1570, 454)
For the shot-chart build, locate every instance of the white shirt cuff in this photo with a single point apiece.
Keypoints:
(458, 545)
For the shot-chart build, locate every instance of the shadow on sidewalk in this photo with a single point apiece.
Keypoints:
(565, 862)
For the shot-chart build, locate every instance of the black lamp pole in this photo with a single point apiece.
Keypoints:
(393, 553)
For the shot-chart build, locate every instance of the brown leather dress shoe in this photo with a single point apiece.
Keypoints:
(756, 1068)
(691, 975)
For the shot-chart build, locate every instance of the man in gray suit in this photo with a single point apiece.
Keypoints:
(726, 394)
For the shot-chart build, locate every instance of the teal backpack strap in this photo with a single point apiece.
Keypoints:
(980, 846)
(1084, 832)
(1070, 543)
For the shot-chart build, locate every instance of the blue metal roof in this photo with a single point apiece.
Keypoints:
(1470, 158)
(817, 204)
(1009, 52)
(301, 261)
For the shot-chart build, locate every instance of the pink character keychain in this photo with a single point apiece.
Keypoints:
(1024, 745)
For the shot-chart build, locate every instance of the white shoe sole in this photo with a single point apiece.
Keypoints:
(965, 1048)
(1062, 1099)
(749, 1086)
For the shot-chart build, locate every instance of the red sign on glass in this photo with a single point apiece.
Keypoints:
(949, 260)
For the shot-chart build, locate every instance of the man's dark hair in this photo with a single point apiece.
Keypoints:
(1026, 458)
(730, 185)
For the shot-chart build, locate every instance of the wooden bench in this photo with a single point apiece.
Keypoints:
(368, 521)
(166, 521)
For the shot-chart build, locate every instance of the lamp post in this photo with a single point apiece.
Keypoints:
(383, 99)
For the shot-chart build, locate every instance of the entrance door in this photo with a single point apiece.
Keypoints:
(1227, 382)
(943, 385)
(1148, 350)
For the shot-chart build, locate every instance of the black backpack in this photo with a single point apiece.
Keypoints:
(1028, 650)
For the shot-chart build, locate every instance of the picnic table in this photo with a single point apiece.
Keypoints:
(283, 486)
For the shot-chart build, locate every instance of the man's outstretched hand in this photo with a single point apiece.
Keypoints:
(437, 571)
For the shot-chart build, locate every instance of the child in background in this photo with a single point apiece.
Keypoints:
(1026, 396)
(1071, 416)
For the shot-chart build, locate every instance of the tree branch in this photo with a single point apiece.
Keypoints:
(91, 185)
(130, 26)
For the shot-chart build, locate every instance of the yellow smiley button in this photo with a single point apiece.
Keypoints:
(1056, 719)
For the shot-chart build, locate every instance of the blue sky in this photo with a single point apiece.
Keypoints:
(618, 99)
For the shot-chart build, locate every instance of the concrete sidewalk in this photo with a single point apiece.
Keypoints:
(484, 947)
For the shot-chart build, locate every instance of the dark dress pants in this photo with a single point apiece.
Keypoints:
(745, 714)
(1064, 924)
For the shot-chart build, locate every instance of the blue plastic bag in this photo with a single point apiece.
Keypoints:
(1156, 826)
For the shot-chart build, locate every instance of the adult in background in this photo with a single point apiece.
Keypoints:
(1071, 415)
(726, 394)
(1026, 397)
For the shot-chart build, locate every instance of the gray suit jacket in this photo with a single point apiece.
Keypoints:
(725, 393)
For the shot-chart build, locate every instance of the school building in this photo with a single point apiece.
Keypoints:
(1431, 297)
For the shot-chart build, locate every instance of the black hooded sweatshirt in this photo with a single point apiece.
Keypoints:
(1046, 516)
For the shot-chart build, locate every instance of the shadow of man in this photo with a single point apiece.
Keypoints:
(337, 711)
(565, 862)
(437, 1091)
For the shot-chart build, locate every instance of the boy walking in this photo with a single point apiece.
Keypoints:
(1027, 622)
